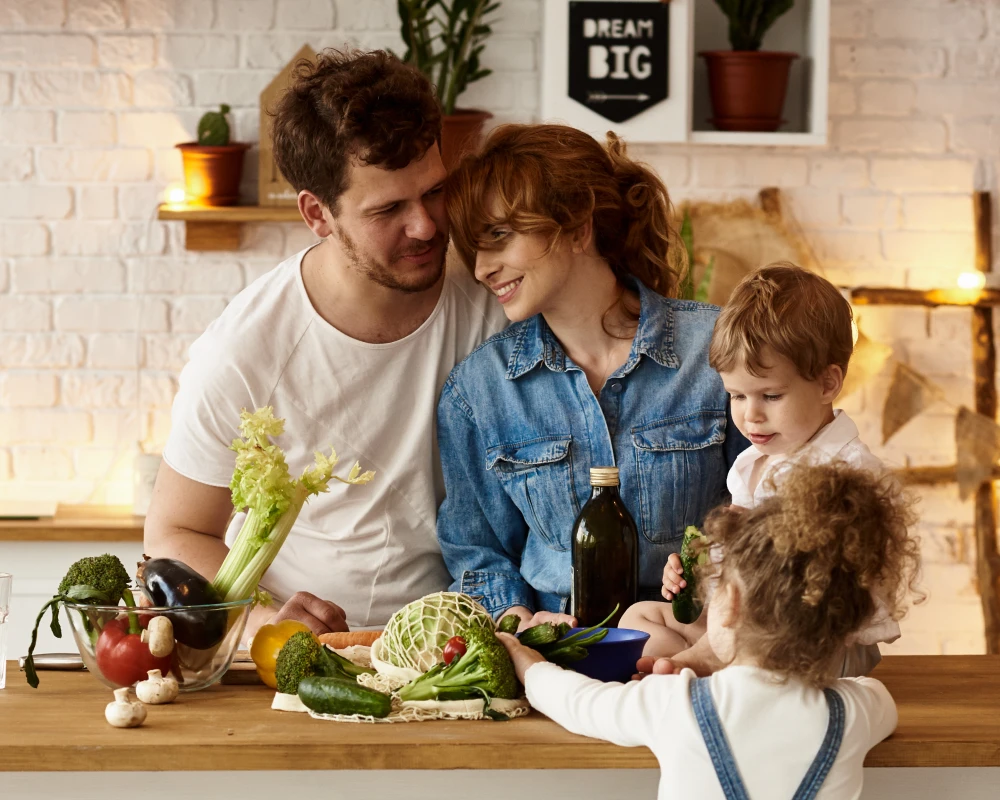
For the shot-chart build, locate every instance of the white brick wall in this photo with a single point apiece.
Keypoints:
(95, 93)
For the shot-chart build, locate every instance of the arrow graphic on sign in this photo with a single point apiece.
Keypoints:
(601, 97)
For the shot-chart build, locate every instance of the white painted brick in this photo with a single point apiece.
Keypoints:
(938, 212)
(33, 14)
(147, 238)
(746, 170)
(887, 136)
(109, 314)
(161, 15)
(211, 274)
(674, 170)
(126, 51)
(947, 544)
(79, 238)
(888, 324)
(156, 431)
(244, 125)
(115, 427)
(69, 275)
(51, 50)
(156, 392)
(42, 463)
(518, 16)
(6, 90)
(934, 276)
(167, 351)
(849, 22)
(949, 251)
(949, 325)
(842, 99)
(29, 390)
(272, 51)
(241, 88)
(264, 240)
(24, 239)
(97, 15)
(25, 313)
(371, 16)
(966, 645)
(846, 245)
(33, 350)
(114, 351)
(947, 23)
(95, 463)
(814, 208)
(136, 200)
(527, 96)
(308, 15)
(96, 201)
(951, 97)
(495, 92)
(245, 15)
(979, 136)
(86, 127)
(151, 129)
(16, 163)
(88, 164)
(198, 52)
(977, 61)
(4, 277)
(162, 89)
(55, 426)
(66, 90)
(27, 201)
(98, 390)
(832, 172)
(6, 470)
(889, 98)
(194, 314)
(870, 211)
(27, 127)
(929, 175)
(509, 53)
(878, 61)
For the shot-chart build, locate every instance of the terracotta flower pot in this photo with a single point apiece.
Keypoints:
(747, 88)
(460, 133)
(212, 174)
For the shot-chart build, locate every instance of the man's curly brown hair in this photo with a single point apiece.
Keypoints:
(807, 561)
(351, 104)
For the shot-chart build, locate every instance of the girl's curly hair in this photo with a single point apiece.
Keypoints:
(809, 560)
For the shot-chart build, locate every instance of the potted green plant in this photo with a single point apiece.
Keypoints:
(213, 165)
(444, 40)
(748, 85)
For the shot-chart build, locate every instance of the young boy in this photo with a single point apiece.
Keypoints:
(781, 346)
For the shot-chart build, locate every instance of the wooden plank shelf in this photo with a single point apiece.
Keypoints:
(931, 298)
(77, 523)
(218, 227)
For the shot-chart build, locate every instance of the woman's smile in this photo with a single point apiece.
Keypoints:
(506, 291)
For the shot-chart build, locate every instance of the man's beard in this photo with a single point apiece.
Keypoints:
(384, 275)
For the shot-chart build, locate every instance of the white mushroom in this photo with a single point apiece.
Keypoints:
(157, 689)
(160, 636)
(123, 713)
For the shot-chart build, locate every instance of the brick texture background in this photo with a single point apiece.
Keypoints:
(99, 301)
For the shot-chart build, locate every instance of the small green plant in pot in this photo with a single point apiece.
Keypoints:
(445, 40)
(748, 85)
(213, 166)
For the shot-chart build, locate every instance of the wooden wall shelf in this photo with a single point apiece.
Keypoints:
(218, 227)
(77, 523)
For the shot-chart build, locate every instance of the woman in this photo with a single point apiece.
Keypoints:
(598, 368)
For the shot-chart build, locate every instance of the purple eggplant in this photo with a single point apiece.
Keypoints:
(173, 584)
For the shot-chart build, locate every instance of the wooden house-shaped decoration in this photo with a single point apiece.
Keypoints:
(273, 189)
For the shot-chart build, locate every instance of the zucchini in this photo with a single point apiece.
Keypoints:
(509, 624)
(687, 607)
(339, 696)
(545, 633)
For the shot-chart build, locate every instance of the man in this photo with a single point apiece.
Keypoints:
(350, 341)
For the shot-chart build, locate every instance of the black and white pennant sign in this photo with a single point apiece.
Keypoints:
(618, 56)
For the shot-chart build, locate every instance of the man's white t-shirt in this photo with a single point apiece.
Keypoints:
(371, 549)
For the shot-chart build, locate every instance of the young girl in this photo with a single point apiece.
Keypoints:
(795, 583)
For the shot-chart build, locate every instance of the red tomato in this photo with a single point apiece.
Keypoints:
(454, 648)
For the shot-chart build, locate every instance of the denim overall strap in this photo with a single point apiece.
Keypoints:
(722, 755)
(715, 740)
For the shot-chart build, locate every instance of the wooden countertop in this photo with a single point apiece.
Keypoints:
(77, 523)
(949, 709)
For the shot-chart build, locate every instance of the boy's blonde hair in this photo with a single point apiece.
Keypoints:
(796, 313)
(806, 561)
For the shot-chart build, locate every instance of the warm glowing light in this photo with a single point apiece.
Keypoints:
(854, 331)
(972, 280)
(176, 194)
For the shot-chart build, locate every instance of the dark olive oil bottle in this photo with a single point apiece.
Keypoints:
(605, 553)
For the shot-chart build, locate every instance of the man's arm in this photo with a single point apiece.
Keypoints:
(187, 521)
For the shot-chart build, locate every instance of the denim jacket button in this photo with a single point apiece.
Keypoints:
(616, 387)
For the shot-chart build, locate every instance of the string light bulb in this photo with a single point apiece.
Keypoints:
(972, 280)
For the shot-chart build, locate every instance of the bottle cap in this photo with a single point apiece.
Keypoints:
(604, 476)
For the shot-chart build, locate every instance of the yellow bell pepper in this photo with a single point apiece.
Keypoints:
(266, 645)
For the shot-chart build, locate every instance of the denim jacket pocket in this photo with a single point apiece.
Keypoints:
(681, 467)
(538, 476)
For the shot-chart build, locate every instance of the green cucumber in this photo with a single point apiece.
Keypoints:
(687, 607)
(509, 624)
(339, 696)
(545, 633)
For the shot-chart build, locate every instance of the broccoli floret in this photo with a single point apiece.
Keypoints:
(485, 670)
(302, 656)
(104, 573)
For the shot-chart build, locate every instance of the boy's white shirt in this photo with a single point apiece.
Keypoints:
(836, 440)
(773, 729)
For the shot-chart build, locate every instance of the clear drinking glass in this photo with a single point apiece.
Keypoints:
(5, 582)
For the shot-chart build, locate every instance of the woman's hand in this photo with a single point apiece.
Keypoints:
(530, 620)
(673, 577)
(523, 657)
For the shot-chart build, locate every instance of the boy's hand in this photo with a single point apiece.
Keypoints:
(673, 577)
(523, 657)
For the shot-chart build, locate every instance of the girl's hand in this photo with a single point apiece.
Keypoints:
(673, 577)
(647, 665)
(523, 657)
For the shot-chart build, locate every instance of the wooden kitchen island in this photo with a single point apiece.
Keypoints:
(949, 709)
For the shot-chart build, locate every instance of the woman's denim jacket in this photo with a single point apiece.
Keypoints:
(519, 429)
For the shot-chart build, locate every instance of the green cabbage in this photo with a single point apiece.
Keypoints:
(418, 632)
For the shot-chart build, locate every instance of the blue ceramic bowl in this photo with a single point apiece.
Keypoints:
(614, 657)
